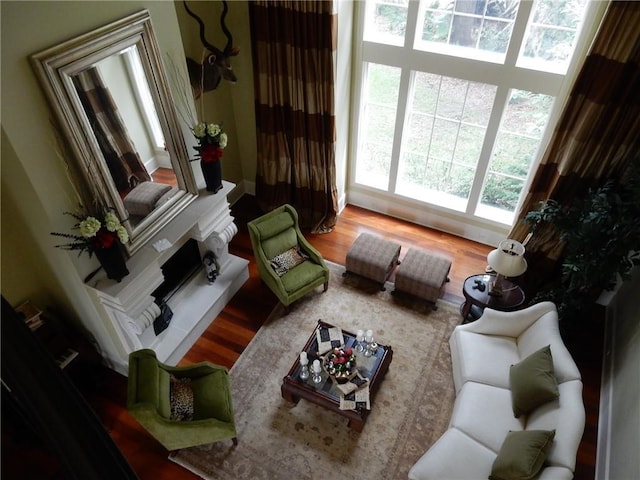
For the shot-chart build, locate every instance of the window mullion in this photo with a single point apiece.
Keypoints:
(406, 78)
(518, 32)
(412, 21)
(499, 105)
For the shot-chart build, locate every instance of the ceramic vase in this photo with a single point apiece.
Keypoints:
(212, 172)
(113, 262)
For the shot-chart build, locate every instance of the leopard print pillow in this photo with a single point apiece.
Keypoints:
(181, 399)
(285, 261)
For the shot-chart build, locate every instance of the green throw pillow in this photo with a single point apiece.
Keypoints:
(533, 382)
(522, 455)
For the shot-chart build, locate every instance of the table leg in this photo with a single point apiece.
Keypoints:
(288, 395)
(465, 309)
(356, 424)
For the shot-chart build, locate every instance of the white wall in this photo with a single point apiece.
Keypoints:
(619, 420)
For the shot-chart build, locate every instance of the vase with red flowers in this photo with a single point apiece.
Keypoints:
(212, 141)
(102, 235)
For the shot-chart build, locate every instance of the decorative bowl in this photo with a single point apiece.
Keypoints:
(340, 364)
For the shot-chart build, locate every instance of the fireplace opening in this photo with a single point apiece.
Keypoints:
(178, 270)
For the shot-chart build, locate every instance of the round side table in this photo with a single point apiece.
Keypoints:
(512, 295)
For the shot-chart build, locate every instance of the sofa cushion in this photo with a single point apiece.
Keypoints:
(484, 413)
(279, 243)
(543, 332)
(521, 455)
(302, 275)
(533, 382)
(274, 225)
(454, 456)
(566, 416)
(482, 358)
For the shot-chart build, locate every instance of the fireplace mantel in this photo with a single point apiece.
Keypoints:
(126, 304)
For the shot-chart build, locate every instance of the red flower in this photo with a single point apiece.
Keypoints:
(104, 239)
(210, 153)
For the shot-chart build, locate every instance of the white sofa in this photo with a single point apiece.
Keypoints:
(481, 354)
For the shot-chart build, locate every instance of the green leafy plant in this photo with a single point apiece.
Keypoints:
(601, 232)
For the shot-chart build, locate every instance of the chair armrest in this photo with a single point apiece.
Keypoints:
(195, 370)
(508, 324)
(310, 250)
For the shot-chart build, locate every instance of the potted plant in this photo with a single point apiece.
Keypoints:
(211, 143)
(601, 233)
(102, 235)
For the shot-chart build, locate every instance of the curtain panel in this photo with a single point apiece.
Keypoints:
(120, 154)
(294, 43)
(596, 137)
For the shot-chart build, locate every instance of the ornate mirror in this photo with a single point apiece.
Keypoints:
(110, 94)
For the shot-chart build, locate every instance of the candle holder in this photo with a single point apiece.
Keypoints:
(317, 368)
(304, 368)
(368, 338)
(360, 345)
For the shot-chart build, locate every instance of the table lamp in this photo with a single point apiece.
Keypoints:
(508, 261)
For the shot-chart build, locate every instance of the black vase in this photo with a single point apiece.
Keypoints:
(212, 172)
(113, 262)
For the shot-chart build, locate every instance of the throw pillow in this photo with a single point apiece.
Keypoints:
(533, 382)
(522, 455)
(285, 261)
(181, 399)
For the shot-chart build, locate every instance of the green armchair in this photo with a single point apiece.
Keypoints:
(148, 401)
(277, 232)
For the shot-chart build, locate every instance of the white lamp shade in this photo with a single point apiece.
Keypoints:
(508, 259)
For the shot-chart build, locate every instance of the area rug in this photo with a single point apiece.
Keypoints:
(279, 440)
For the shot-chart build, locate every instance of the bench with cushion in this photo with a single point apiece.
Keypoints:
(423, 275)
(372, 257)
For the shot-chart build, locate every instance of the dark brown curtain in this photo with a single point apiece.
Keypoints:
(125, 165)
(293, 47)
(596, 137)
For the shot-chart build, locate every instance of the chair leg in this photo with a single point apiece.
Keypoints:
(235, 441)
(326, 286)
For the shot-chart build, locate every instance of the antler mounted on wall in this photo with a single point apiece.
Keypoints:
(207, 75)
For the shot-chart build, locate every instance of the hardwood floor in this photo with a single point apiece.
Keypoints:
(231, 331)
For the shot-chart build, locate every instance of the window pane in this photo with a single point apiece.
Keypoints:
(551, 34)
(468, 27)
(379, 117)
(386, 21)
(517, 142)
(443, 139)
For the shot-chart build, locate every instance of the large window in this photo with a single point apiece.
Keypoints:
(455, 97)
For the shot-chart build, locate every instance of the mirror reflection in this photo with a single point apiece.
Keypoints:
(117, 101)
(113, 102)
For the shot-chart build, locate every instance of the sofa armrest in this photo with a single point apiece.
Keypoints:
(509, 324)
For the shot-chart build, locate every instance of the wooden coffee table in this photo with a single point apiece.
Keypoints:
(325, 393)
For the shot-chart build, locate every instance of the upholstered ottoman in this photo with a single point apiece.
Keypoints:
(423, 275)
(372, 257)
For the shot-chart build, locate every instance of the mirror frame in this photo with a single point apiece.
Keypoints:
(55, 68)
